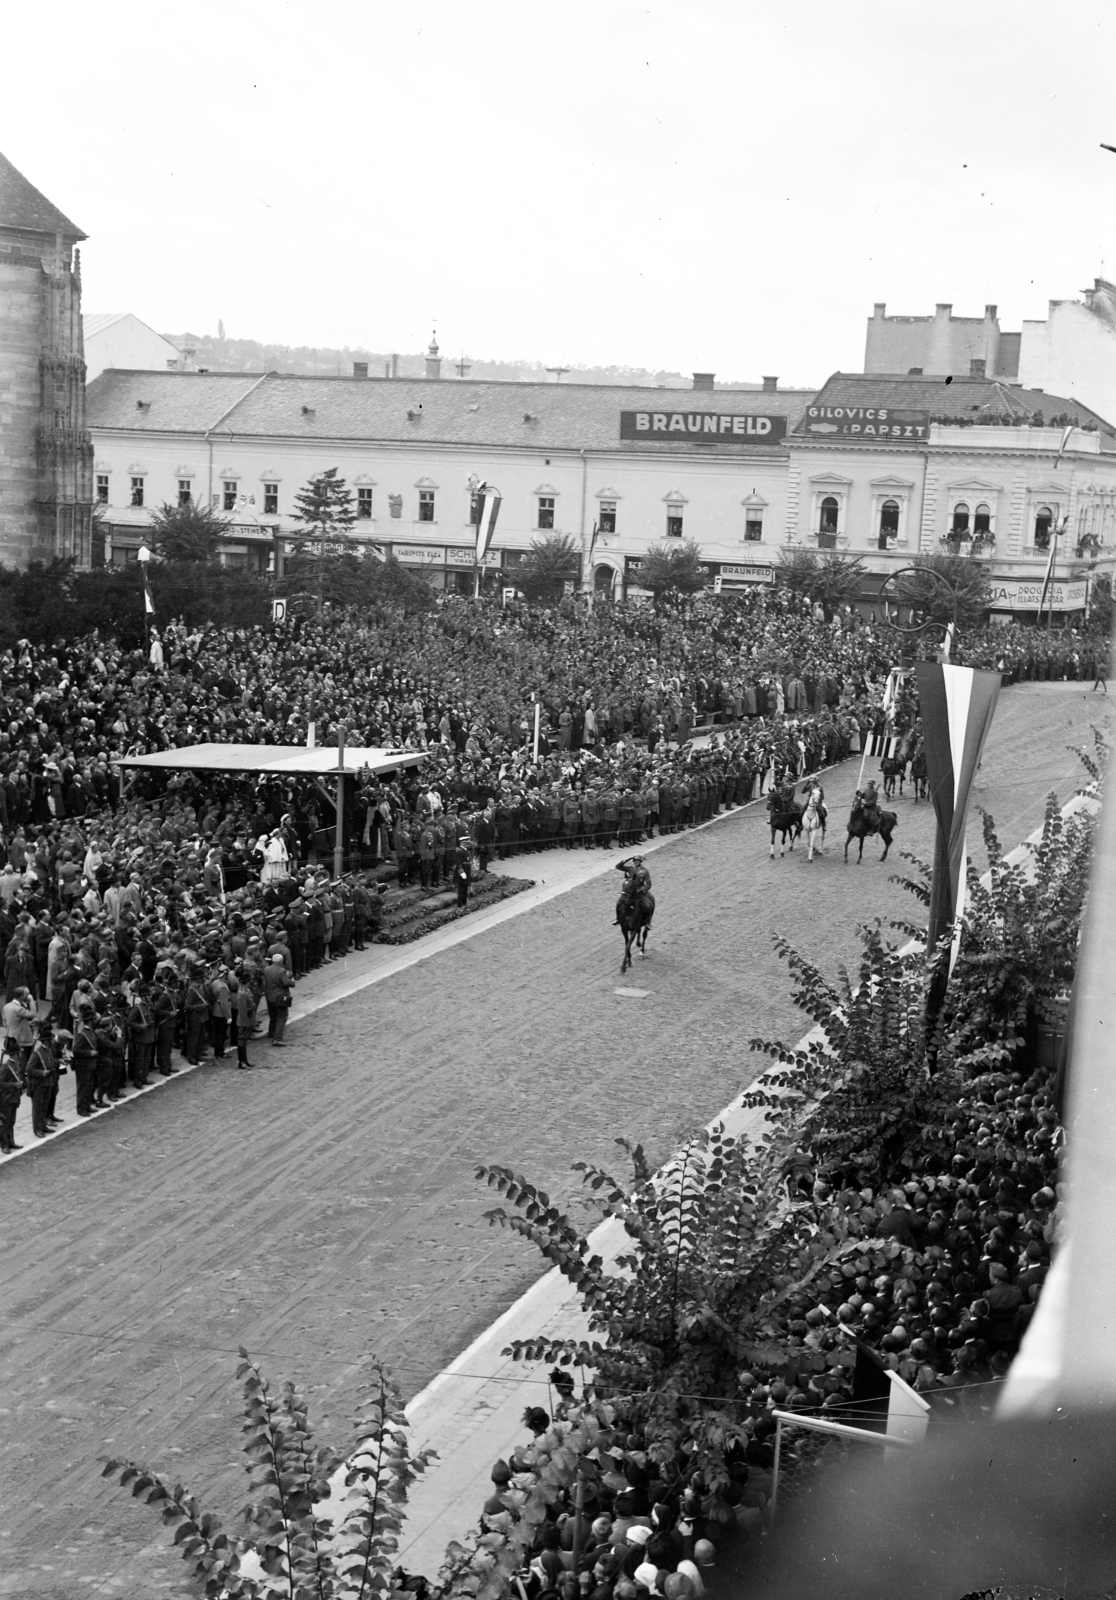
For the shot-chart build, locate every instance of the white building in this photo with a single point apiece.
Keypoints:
(119, 339)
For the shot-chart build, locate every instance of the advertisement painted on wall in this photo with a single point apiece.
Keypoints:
(1017, 594)
(701, 427)
(881, 423)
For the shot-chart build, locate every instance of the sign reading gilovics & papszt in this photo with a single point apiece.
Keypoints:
(867, 422)
(702, 427)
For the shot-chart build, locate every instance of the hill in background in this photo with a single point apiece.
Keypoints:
(249, 355)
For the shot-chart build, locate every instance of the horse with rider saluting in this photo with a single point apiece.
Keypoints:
(635, 907)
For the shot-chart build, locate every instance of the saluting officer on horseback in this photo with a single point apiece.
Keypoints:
(635, 907)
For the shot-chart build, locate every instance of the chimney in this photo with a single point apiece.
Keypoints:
(914, 372)
(393, 370)
(703, 380)
(976, 367)
(943, 308)
(360, 369)
(990, 313)
(433, 360)
(880, 308)
(770, 385)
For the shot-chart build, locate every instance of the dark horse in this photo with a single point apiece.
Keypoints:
(893, 767)
(634, 911)
(862, 824)
(918, 770)
(786, 817)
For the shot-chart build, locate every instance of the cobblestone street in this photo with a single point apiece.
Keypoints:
(324, 1206)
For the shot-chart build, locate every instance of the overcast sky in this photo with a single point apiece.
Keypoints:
(711, 185)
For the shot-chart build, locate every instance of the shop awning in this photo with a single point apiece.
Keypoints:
(292, 760)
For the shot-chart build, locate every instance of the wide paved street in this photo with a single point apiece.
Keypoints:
(326, 1207)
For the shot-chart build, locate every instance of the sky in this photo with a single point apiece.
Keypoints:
(707, 185)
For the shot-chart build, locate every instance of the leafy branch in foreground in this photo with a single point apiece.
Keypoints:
(326, 1522)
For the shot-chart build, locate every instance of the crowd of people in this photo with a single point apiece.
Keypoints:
(172, 910)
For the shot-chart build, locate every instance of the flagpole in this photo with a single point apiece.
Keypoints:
(143, 556)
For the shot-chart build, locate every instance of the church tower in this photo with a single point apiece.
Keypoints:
(46, 456)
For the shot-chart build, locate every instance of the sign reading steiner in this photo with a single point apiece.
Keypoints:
(867, 422)
(702, 427)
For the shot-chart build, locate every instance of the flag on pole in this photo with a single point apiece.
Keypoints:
(148, 602)
(1054, 532)
(593, 544)
(488, 509)
(956, 705)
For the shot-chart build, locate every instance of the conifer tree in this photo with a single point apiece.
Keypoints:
(326, 511)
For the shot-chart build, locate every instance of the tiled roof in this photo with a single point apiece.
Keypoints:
(163, 402)
(536, 416)
(956, 397)
(24, 209)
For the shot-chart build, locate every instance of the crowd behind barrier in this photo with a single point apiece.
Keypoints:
(171, 911)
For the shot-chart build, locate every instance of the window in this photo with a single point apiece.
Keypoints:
(1044, 521)
(828, 512)
(753, 527)
(960, 525)
(137, 491)
(982, 521)
(123, 555)
(426, 505)
(674, 522)
(889, 523)
(546, 511)
(474, 510)
(364, 503)
(271, 499)
(606, 522)
(102, 488)
(185, 494)
(228, 486)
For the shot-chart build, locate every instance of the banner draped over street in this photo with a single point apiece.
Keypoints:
(956, 705)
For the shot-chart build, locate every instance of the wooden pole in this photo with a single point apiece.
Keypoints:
(339, 834)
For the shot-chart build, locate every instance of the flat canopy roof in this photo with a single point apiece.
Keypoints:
(292, 759)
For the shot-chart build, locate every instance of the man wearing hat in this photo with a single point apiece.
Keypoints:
(463, 870)
(277, 994)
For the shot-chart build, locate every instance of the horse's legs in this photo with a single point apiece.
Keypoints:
(773, 844)
(860, 857)
(847, 843)
(627, 961)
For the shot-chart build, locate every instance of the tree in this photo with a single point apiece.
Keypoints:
(672, 569)
(823, 577)
(549, 563)
(326, 511)
(968, 578)
(297, 1550)
(187, 533)
(352, 579)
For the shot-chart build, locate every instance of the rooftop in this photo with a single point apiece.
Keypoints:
(24, 210)
(537, 416)
(960, 399)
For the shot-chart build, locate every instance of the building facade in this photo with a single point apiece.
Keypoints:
(886, 468)
(120, 339)
(46, 456)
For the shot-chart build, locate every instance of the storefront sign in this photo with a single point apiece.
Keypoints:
(465, 556)
(1016, 594)
(732, 575)
(867, 422)
(419, 555)
(702, 427)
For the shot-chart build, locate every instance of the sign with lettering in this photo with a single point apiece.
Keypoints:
(1018, 594)
(419, 555)
(750, 573)
(867, 422)
(466, 556)
(702, 427)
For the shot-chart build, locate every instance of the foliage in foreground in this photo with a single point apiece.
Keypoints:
(300, 1548)
(825, 578)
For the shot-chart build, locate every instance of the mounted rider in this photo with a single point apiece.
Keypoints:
(869, 802)
(813, 790)
(637, 886)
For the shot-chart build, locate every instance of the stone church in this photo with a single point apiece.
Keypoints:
(46, 458)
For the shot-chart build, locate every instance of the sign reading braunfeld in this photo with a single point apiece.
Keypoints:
(702, 427)
(867, 422)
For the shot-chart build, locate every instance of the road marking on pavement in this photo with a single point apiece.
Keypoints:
(633, 994)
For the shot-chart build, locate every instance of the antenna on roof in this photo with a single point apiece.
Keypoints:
(559, 373)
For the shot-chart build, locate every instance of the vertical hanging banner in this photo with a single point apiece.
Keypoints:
(956, 705)
(488, 509)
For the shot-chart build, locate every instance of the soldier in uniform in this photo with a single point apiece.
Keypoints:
(42, 1081)
(361, 909)
(196, 1006)
(164, 1006)
(110, 1058)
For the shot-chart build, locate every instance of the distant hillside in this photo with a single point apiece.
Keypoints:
(249, 355)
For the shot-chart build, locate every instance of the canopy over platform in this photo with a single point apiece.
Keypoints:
(290, 760)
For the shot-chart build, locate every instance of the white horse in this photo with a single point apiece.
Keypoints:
(814, 819)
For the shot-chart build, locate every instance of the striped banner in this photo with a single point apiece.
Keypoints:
(956, 705)
(148, 602)
(488, 509)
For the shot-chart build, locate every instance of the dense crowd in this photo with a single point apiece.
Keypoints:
(174, 911)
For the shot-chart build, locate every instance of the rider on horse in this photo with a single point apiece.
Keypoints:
(637, 885)
(869, 802)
